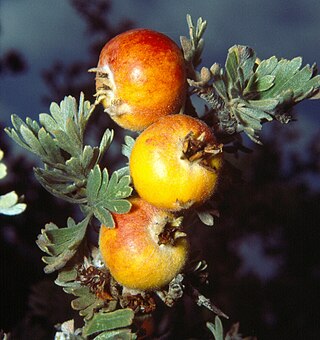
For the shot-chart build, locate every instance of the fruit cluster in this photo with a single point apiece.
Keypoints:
(174, 164)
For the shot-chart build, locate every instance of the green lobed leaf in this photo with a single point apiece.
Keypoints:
(66, 276)
(84, 112)
(121, 334)
(61, 243)
(58, 141)
(87, 303)
(61, 185)
(89, 157)
(127, 146)
(289, 77)
(255, 92)
(33, 125)
(104, 216)
(94, 183)
(125, 171)
(192, 47)
(52, 151)
(259, 84)
(216, 328)
(106, 141)
(108, 321)
(239, 66)
(107, 195)
(32, 141)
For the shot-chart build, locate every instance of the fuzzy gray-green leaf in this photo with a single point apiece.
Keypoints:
(108, 321)
(33, 125)
(216, 328)
(120, 334)
(105, 195)
(104, 216)
(66, 143)
(106, 140)
(127, 146)
(50, 146)
(94, 183)
(32, 141)
(48, 123)
(264, 104)
(60, 243)
(57, 115)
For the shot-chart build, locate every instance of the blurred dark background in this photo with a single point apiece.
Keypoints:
(263, 252)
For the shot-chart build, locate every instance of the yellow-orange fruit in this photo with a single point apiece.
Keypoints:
(132, 252)
(175, 162)
(141, 75)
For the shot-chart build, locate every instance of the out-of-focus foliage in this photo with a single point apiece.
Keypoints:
(9, 202)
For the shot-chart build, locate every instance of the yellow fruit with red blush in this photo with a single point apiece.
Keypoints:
(146, 249)
(175, 162)
(141, 76)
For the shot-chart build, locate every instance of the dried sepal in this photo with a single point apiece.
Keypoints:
(172, 231)
(98, 280)
(142, 302)
(174, 292)
(196, 149)
(86, 302)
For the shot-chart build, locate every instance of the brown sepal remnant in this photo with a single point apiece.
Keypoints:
(197, 149)
(104, 84)
(171, 232)
(139, 303)
(97, 280)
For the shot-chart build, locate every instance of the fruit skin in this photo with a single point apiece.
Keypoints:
(131, 250)
(161, 176)
(147, 76)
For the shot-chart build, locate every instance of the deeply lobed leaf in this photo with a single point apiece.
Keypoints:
(61, 243)
(107, 195)
(108, 321)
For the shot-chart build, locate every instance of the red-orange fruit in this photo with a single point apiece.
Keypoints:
(133, 250)
(141, 76)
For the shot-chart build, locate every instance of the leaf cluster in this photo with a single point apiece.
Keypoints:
(192, 47)
(71, 171)
(58, 141)
(249, 92)
(102, 319)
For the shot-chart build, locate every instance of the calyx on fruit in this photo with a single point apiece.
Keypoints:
(140, 77)
(175, 163)
(140, 252)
